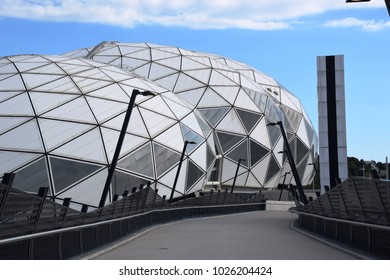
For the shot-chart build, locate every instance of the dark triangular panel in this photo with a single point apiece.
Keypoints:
(210, 157)
(273, 168)
(248, 119)
(214, 115)
(302, 167)
(67, 172)
(227, 141)
(165, 159)
(32, 177)
(194, 173)
(240, 152)
(302, 150)
(139, 161)
(125, 182)
(257, 152)
(289, 135)
(274, 133)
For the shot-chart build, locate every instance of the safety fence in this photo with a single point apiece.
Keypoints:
(356, 212)
(34, 227)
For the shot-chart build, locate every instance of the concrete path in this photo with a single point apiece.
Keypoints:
(248, 236)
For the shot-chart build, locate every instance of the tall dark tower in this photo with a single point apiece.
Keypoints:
(332, 125)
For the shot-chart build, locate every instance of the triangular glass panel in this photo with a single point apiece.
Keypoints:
(76, 110)
(158, 71)
(257, 152)
(190, 64)
(191, 136)
(301, 168)
(67, 172)
(45, 101)
(202, 75)
(56, 133)
(157, 104)
(139, 161)
(249, 119)
(105, 109)
(156, 123)
(211, 99)
(273, 169)
(218, 79)
(112, 92)
(122, 182)
(204, 126)
(164, 158)
(25, 137)
(302, 150)
(292, 117)
(210, 156)
(214, 115)
(19, 105)
(240, 152)
(192, 97)
(184, 82)
(10, 161)
(12, 83)
(227, 141)
(193, 175)
(7, 123)
(32, 177)
(34, 80)
(274, 133)
(51, 68)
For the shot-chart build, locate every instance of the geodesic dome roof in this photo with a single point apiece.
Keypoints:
(236, 100)
(60, 118)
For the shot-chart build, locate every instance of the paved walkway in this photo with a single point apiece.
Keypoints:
(253, 235)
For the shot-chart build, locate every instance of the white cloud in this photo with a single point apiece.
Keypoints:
(200, 14)
(367, 25)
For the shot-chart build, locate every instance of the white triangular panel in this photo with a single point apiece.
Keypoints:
(155, 123)
(172, 138)
(192, 122)
(113, 92)
(199, 156)
(202, 75)
(12, 83)
(260, 170)
(26, 66)
(272, 183)
(279, 147)
(169, 178)
(25, 137)
(231, 123)
(252, 181)
(35, 80)
(75, 110)
(62, 85)
(7, 123)
(105, 109)
(229, 169)
(185, 82)
(288, 98)
(198, 186)
(56, 133)
(88, 146)
(45, 101)
(179, 110)
(168, 82)
(245, 102)
(51, 68)
(260, 134)
(227, 92)
(302, 132)
(240, 181)
(212, 99)
(156, 104)
(19, 105)
(218, 79)
(192, 97)
(158, 71)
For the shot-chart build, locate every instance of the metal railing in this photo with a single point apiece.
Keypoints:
(355, 212)
(33, 227)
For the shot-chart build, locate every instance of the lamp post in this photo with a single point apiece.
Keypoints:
(290, 158)
(119, 144)
(235, 176)
(179, 167)
(284, 179)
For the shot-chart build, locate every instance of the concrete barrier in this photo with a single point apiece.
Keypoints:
(274, 205)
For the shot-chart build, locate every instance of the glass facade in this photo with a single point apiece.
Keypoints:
(60, 119)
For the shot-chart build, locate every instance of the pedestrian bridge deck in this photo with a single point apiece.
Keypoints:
(245, 236)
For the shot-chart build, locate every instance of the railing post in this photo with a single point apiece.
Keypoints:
(342, 199)
(66, 203)
(42, 193)
(8, 179)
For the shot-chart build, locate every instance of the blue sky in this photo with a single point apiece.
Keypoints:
(281, 38)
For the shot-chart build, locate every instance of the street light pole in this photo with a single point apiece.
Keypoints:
(235, 176)
(179, 167)
(290, 158)
(284, 179)
(119, 144)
